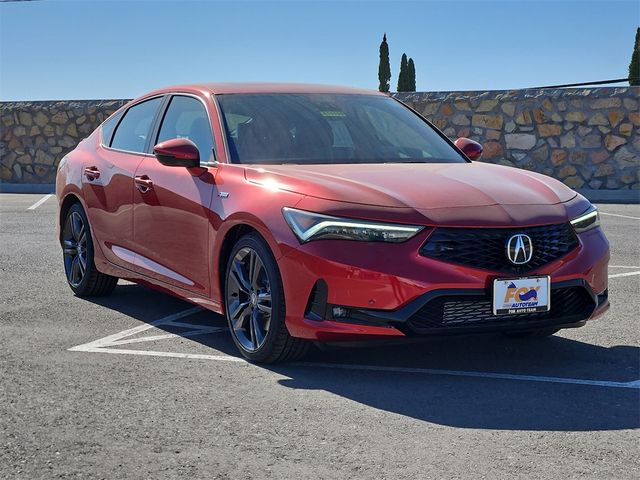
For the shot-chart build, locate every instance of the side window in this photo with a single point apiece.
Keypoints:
(133, 130)
(187, 118)
(108, 126)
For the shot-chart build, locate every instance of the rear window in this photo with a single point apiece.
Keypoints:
(133, 131)
(108, 126)
(328, 128)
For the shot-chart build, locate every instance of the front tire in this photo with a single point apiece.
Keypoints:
(77, 245)
(255, 305)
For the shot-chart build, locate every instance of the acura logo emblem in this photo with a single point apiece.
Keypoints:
(519, 249)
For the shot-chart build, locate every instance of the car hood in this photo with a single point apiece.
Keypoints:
(418, 186)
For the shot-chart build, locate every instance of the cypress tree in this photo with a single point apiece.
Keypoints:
(384, 68)
(411, 76)
(402, 76)
(634, 66)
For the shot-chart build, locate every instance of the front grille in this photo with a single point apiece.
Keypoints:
(568, 305)
(486, 247)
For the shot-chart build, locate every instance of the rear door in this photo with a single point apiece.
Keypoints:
(108, 178)
(171, 204)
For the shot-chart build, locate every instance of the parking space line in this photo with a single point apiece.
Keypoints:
(152, 353)
(622, 266)
(40, 202)
(635, 384)
(462, 373)
(618, 215)
(102, 342)
(625, 274)
(155, 338)
(106, 344)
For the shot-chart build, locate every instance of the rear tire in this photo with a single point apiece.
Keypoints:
(77, 246)
(255, 306)
(539, 333)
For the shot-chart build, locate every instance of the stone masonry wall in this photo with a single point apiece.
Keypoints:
(36, 135)
(588, 138)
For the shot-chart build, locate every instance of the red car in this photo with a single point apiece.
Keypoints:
(311, 213)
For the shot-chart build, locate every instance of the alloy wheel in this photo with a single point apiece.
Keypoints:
(249, 299)
(75, 248)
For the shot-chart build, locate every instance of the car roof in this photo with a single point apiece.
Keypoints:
(230, 88)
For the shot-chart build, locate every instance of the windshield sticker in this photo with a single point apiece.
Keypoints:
(333, 114)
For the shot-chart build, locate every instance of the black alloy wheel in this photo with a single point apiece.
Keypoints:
(249, 299)
(77, 247)
(255, 305)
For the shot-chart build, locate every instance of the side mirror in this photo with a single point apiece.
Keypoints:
(470, 148)
(177, 152)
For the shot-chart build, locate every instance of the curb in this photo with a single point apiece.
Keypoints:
(27, 187)
(611, 196)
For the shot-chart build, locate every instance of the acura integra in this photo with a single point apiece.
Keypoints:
(323, 214)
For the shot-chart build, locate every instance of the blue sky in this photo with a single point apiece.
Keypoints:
(57, 49)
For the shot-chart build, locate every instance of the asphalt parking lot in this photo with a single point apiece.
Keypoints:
(142, 385)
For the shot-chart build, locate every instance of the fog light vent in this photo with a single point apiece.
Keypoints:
(317, 303)
(340, 312)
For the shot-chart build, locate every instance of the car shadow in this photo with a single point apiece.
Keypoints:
(458, 401)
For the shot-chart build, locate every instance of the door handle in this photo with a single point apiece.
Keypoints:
(143, 183)
(92, 173)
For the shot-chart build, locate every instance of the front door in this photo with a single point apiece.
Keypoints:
(171, 204)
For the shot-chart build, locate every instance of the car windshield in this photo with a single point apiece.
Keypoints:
(319, 128)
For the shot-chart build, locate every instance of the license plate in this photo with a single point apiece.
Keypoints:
(521, 295)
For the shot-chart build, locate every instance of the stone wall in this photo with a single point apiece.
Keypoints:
(36, 135)
(588, 138)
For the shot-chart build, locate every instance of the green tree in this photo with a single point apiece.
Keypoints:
(634, 66)
(411, 76)
(402, 76)
(384, 68)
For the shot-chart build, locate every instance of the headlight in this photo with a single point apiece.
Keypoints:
(309, 226)
(588, 220)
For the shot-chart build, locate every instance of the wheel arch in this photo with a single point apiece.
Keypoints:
(67, 202)
(227, 238)
(231, 237)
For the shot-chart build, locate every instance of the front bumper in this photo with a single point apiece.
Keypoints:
(453, 311)
(390, 290)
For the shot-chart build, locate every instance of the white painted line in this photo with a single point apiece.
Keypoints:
(462, 373)
(617, 215)
(151, 353)
(374, 368)
(40, 202)
(154, 338)
(622, 266)
(102, 342)
(184, 324)
(104, 345)
(625, 274)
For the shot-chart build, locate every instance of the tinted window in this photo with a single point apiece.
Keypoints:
(328, 128)
(187, 118)
(108, 126)
(133, 130)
